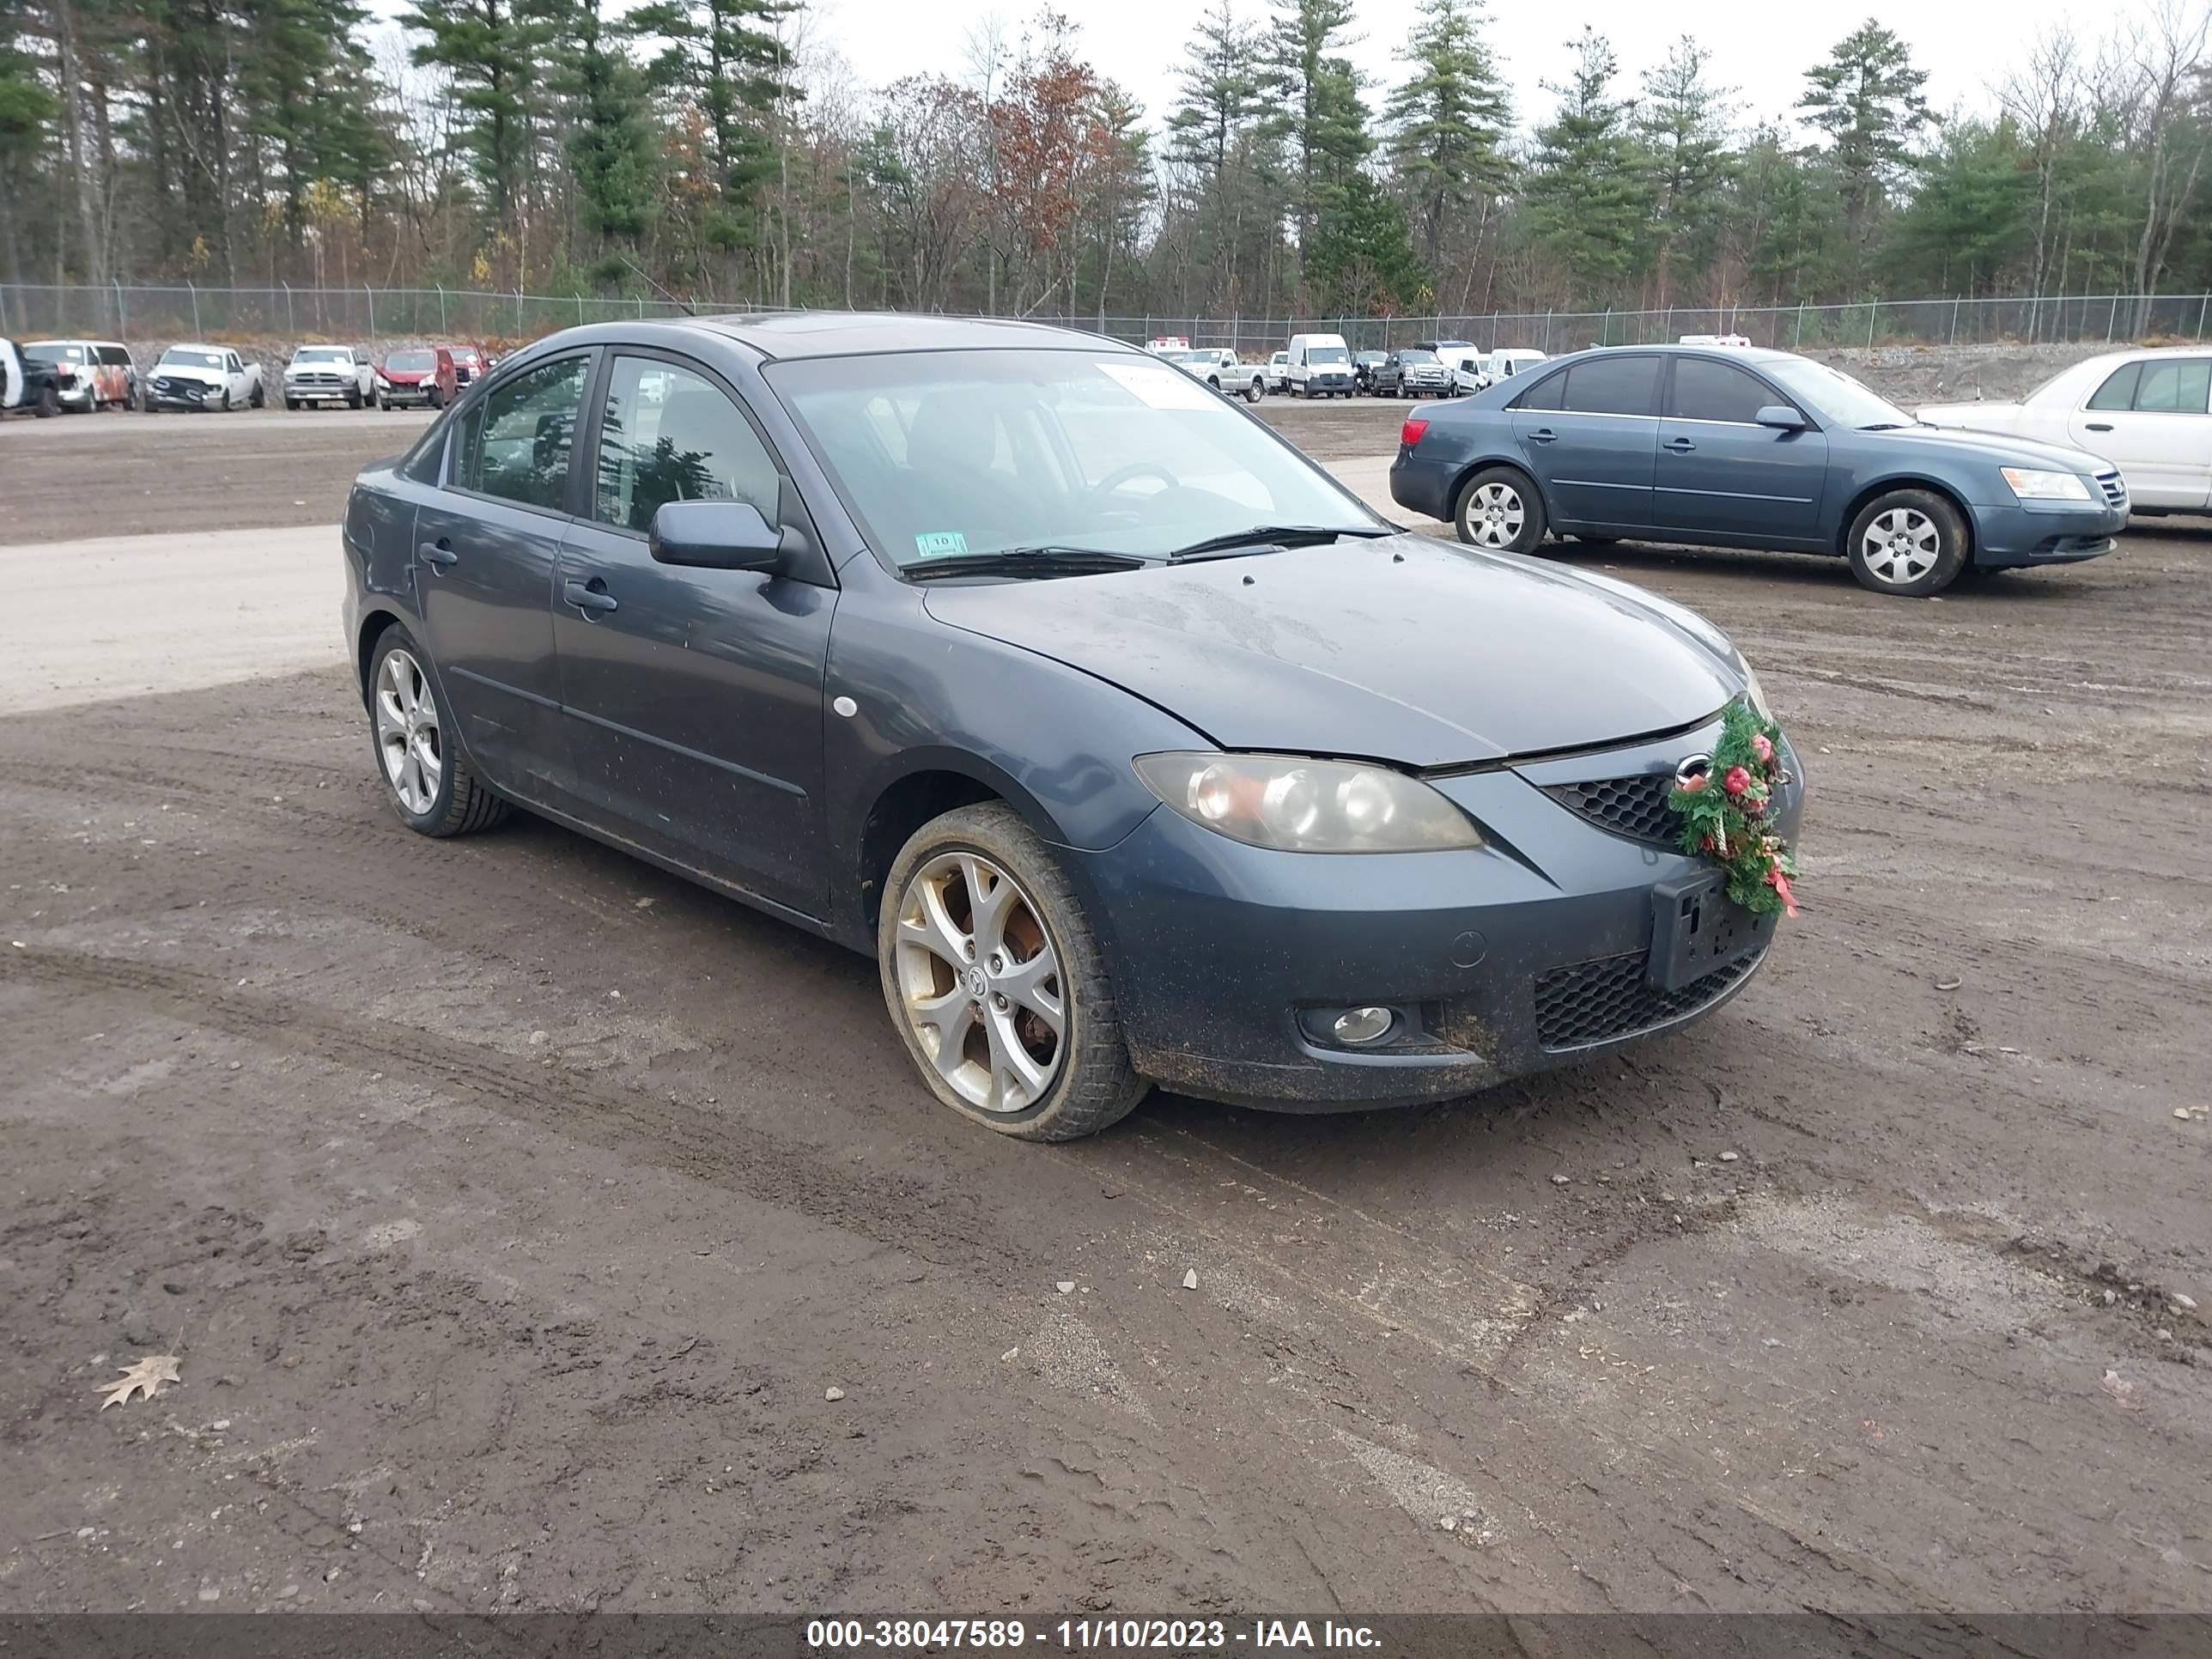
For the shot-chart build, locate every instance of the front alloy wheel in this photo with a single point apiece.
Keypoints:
(996, 983)
(1911, 543)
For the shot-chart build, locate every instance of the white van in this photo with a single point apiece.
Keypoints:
(1320, 367)
(1514, 360)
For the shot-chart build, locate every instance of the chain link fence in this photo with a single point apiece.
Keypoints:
(126, 311)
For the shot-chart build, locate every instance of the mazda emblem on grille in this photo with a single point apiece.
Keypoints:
(1693, 768)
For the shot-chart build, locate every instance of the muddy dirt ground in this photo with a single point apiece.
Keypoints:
(513, 1207)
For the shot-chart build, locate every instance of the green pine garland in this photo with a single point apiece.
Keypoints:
(1723, 813)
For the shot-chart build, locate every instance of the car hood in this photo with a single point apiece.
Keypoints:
(180, 371)
(407, 376)
(2003, 447)
(1403, 649)
(290, 369)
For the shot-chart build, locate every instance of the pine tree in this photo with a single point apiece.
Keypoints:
(1588, 196)
(486, 46)
(1448, 119)
(1220, 93)
(1866, 98)
(1682, 127)
(1322, 124)
(611, 147)
(1363, 260)
(727, 56)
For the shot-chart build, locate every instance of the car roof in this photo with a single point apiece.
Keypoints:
(853, 334)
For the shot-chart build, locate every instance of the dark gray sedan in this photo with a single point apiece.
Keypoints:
(1131, 745)
(1749, 448)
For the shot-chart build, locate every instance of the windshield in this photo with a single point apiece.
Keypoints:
(1417, 355)
(946, 452)
(464, 354)
(55, 352)
(408, 362)
(181, 357)
(322, 355)
(1834, 395)
(1327, 354)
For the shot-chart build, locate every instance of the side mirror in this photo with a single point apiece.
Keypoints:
(715, 535)
(1782, 416)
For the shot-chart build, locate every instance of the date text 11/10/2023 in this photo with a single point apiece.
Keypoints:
(1083, 1635)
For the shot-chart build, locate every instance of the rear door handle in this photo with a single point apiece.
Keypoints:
(591, 598)
(2101, 426)
(1542, 434)
(439, 553)
(1680, 445)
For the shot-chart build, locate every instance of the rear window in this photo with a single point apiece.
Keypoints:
(115, 354)
(1545, 394)
(1613, 385)
(2119, 391)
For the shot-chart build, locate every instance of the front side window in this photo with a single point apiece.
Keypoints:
(945, 453)
(2175, 386)
(1613, 385)
(670, 435)
(516, 443)
(1707, 391)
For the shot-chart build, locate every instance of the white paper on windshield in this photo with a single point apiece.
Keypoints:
(1158, 387)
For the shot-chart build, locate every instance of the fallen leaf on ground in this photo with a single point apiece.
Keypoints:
(147, 1376)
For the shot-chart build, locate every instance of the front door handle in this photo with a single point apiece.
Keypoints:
(2101, 426)
(1679, 445)
(591, 597)
(439, 553)
(1542, 434)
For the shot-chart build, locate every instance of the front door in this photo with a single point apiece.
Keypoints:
(1720, 473)
(485, 550)
(2150, 419)
(693, 698)
(1592, 432)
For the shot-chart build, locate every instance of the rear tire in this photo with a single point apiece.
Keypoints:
(1908, 544)
(1092, 1084)
(1254, 392)
(1499, 508)
(405, 702)
(256, 398)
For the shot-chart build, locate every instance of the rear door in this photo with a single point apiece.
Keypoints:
(1720, 473)
(2153, 419)
(693, 698)
(485, 550)
(1595, 446)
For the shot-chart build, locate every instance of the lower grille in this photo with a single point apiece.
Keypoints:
(1599, 1000)
(2114, 486)
(1635, 807)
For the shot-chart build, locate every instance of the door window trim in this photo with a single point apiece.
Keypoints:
(2142, 365)
(484, 388)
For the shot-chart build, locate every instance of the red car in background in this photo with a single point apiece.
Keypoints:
(427, 375)
(469, 363)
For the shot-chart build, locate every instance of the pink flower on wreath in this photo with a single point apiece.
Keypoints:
(1737, 781)
(1762, 747)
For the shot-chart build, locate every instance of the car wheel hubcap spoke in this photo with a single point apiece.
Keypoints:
(407, 734)
(1495, 515)
(980, 983)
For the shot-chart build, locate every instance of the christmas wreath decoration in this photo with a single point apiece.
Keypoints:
(1723, 813)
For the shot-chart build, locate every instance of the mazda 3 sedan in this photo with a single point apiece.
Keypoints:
(1131, 745)
(1736, 447)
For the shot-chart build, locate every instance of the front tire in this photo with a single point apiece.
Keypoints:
(1908, 544)
(1499, 508)
(426, 778)
(49, 404)
(996, 983)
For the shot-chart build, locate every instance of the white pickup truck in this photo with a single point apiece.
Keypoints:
(1220, 368)
(330, 375)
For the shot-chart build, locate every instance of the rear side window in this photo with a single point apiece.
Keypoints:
(516, 442)
(1613, 385)
(2118, 392)
(1545, 394)
(1707, 391)
(2177, 386)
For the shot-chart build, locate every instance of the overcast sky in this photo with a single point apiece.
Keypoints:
(1761, 47)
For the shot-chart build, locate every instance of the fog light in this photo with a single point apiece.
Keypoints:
(1355, 1027)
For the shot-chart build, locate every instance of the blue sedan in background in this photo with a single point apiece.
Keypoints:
(1750, 448)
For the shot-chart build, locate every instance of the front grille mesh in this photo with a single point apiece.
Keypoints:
(1609, 997)
(1634, 807)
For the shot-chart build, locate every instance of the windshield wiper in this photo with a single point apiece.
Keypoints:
(1047, 561)
(1888, 426)
(1274, 535)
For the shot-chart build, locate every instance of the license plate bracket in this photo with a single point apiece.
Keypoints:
(1697, 930)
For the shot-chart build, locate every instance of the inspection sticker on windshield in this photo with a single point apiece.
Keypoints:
(935, 543)
(1159, 386)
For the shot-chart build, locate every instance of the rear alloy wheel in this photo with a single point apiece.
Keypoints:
(426, 775)
(1499, 508)
(996, 983)
(1909, 542)
(1254, 392)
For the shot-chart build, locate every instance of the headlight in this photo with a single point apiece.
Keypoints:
(1755, 695)
(2031, 485)
(1297, 805)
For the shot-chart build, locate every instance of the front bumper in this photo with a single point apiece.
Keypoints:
(1525, 955)
(76, 395)
(2046, 532)
(186, 394)
(397, 393)
(1330, 382)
